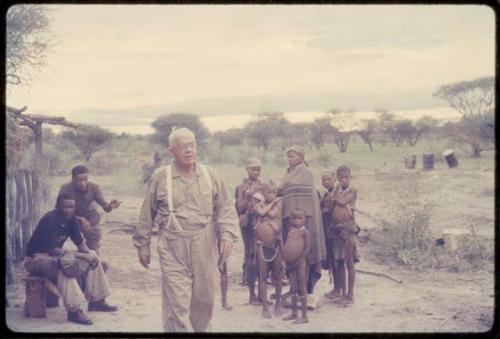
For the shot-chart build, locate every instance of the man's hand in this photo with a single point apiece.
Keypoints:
(85, 225)
(113, 204)
(224, 250)
(91, 258)
(145, 260)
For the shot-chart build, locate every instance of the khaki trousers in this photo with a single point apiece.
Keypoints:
(189, 266)
(96, 284)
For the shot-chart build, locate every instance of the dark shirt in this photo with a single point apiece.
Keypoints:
(84, 201)
(51, 232)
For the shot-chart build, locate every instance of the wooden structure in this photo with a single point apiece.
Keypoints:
(428, 161)
(24, 195)
(450, 158)
(40, 293)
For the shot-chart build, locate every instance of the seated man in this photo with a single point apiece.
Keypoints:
(42, 258)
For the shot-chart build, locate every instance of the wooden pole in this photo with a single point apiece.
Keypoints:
(9, 269)
(37, 171)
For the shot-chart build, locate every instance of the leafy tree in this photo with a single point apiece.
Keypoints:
(165, 124)
(367, 130)
(232, 136)
(474, 100)
(266, 128)
(88, 139)
(28, 40)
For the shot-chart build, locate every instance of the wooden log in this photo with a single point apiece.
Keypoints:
(451, 159)
(9, 268)
(428, 161)
(29, 196)
(34, 306)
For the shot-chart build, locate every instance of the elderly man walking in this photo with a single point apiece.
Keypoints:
(185, 199)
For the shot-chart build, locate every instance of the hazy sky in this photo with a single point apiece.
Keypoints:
(119, 57)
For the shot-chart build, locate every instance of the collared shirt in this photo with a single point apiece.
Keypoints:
(85, 202)
(51, 232)
(195, 206)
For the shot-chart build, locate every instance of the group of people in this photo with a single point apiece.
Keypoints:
(290, 228)
(287, 228)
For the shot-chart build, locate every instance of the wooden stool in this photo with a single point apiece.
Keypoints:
(39, 296)
(34, 306)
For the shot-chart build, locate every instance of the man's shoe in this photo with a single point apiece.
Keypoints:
(101, 306)
(79, 317)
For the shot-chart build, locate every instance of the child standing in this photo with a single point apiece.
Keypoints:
(294, 253)
(326, 205)
(345, 232)
(269, 251)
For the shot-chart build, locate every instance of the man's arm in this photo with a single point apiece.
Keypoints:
(144, 229)
(99, 198)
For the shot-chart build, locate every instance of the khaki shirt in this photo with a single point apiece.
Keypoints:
(85, 202)
(195, 206)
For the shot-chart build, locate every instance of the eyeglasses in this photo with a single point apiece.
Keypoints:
(186, 146)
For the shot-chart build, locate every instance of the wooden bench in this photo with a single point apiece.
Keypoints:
(40, 293)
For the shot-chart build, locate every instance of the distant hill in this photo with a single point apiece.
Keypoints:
(236, 109)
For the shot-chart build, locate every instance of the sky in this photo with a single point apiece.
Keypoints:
(121, 66)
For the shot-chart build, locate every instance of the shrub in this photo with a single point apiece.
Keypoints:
(406, 236)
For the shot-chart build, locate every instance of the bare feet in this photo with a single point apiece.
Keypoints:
(301, 321)
(278, 311)
(290, 317)
(266, 314)
(333, 294)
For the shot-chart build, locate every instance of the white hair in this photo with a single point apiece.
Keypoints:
(183, 131)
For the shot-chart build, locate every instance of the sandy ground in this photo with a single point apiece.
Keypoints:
(430, 301)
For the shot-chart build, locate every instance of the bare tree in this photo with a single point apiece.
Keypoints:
(367, 130)
(29, 39)
(386, 123)
(319, 131)
(342, 128)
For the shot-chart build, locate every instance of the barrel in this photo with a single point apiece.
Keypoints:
(450, 158)
(428, 161)
(410, 161)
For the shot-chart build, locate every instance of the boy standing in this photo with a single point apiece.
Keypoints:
(326, 205)
(345, 232)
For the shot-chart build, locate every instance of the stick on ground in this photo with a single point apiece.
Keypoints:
(377, 274)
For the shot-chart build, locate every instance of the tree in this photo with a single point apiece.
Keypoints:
(29, 39)
(367, 130)
(165, 124)
(88, 139)
(474, 100)
(386, 123)
(342, 128)
(232, 136)
(266, 128)
(320, 129)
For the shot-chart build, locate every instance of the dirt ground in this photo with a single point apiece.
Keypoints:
(425, 301)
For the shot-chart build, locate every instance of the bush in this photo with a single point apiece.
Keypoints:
(406, 236)
(475, 252)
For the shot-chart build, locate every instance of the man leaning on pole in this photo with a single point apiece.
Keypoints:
(185, 199)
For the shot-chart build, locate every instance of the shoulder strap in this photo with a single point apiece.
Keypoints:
(170, 200)
(172, 220)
